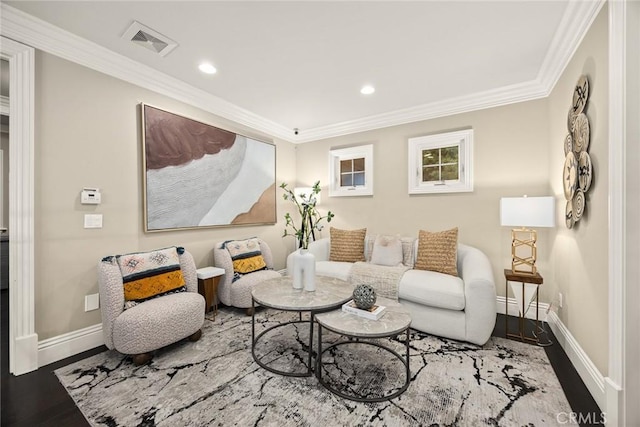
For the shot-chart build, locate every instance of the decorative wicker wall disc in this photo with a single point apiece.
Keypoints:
(568, 214)
(585, 171)
(581, 133)
(568, 144)
(579, 205)
(580, 95)
(570, 175)
(571, 118)
(577, 171)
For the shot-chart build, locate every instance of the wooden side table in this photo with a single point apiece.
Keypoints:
(208, 278)
(533, 279)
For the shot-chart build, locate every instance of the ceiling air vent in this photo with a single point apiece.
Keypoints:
(152, 40)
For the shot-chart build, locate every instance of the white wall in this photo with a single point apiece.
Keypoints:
(580, 255)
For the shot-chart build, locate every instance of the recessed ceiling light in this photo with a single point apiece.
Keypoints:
(367, 90)
(207, 68)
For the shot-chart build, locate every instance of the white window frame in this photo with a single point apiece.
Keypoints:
(350, 153)
(464, 140)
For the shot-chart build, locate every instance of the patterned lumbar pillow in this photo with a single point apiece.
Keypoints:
(438, 251)
(147, 275)
(246, 256)
(387, 250)
(347, 245)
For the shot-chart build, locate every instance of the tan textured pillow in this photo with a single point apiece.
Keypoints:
(438, 251)
(347, 245)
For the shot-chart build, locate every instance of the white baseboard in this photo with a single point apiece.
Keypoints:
(591, 376)
(69, 344)
(502, 304)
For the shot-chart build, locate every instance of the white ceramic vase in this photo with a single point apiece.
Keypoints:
(304, 270)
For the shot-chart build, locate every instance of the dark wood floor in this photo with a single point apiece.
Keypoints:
(38, 398)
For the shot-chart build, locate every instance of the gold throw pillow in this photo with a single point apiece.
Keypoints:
(438, 251)
(347, 245)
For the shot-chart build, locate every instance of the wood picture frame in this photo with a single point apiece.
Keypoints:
(198, 175)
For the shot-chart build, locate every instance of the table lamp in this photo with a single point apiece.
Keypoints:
(526, 212)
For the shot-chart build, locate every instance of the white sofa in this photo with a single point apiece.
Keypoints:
(462, 308)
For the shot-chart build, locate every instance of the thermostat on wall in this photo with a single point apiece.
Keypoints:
(90, 196)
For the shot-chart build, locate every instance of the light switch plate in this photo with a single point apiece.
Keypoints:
(93, 221)
(91, 302)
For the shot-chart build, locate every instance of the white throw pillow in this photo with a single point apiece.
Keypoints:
(387, 250)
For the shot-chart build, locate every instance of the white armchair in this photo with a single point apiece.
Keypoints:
(151, 324)
(238, 293)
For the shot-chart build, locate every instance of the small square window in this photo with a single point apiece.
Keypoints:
(441, 163)
(351, 171)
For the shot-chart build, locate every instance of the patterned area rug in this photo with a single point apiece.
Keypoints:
(216, 382)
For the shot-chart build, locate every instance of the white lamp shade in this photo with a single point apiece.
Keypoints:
(527, 211)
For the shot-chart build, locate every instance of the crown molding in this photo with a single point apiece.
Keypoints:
(477, 101)
(35, 32)
(24, 28)
(575, 23)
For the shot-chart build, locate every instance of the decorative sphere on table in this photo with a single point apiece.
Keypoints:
(364, 296)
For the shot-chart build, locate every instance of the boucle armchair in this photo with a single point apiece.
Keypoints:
(235, 289)
(154, 323)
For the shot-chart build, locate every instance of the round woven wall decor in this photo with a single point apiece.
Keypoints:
(577, 171)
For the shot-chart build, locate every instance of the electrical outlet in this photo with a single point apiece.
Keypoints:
(560, 299)
(91, 302)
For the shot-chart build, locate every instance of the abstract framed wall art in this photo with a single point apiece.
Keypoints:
(199, 175)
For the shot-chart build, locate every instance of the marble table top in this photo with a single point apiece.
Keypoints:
(395, 319)
(279, 293)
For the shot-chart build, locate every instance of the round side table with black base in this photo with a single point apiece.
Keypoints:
(362, 331)
(278, 293)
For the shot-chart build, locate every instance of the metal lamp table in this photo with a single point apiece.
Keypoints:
(533, 279)
(278, 293)
(359, 331)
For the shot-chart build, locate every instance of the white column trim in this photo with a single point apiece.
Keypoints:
(23, 340)
(617, 242)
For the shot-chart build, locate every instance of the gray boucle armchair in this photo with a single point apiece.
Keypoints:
(151, 324)
(238, 293)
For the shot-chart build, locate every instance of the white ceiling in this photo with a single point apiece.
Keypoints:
(302, 64)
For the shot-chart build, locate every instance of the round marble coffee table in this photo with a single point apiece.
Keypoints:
(278, 293)
(395, 320)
